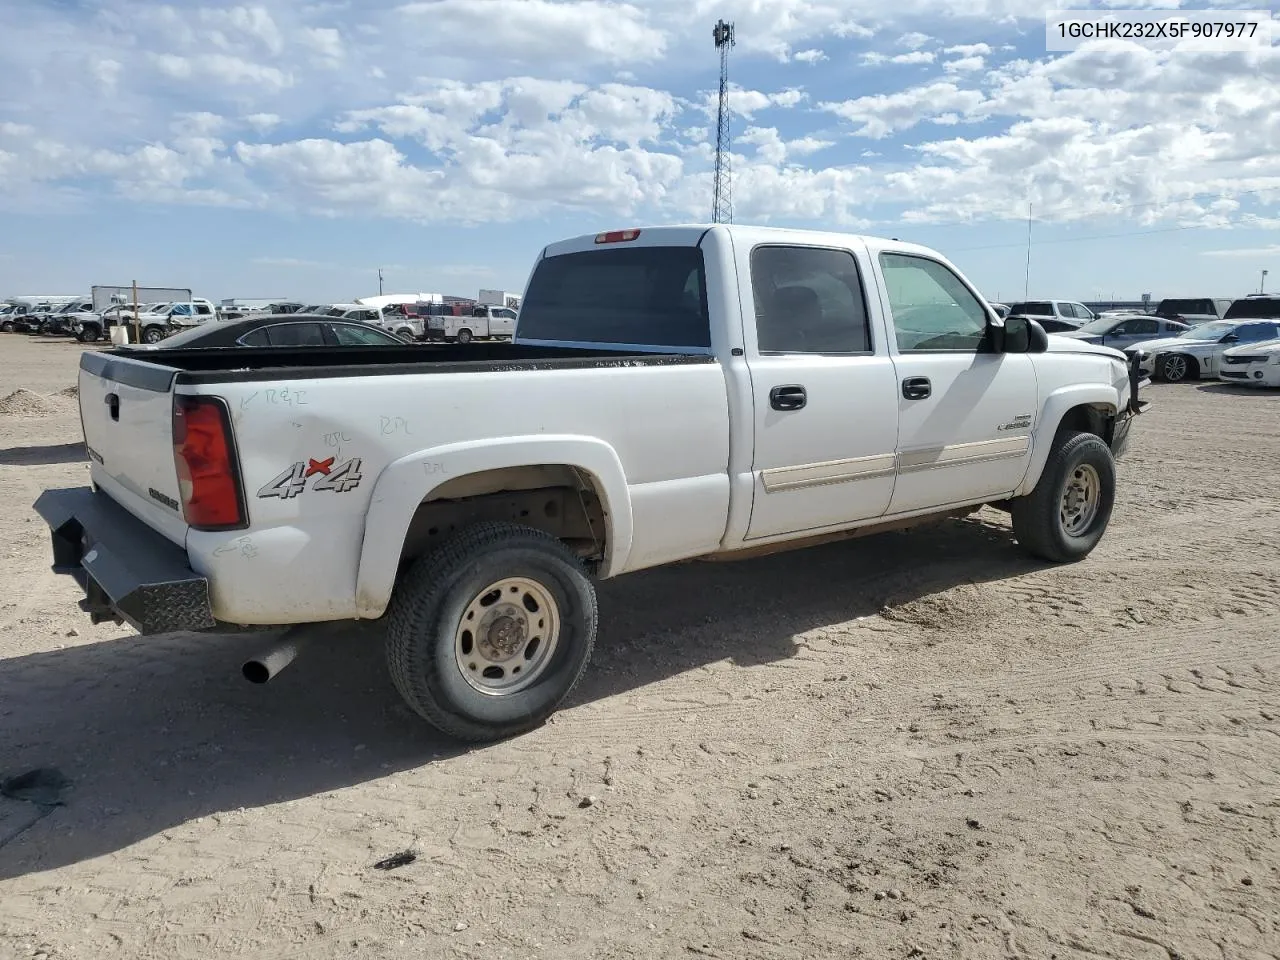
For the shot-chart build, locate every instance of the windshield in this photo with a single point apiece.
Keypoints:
(1208, 331)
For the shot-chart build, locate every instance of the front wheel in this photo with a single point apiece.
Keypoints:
(1176, 367)
(89, 335)
(153, 334)
(491, 631)
(1064, 517)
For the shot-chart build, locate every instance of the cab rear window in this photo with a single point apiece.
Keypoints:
(639, 296)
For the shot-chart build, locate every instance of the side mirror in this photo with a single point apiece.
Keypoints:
(1023, 335)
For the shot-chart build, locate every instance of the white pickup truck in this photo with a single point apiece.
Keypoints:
(673, 392)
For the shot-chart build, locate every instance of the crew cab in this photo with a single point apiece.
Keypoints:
(672, 393)
(169, 318)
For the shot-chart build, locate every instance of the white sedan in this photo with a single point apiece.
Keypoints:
(1257, 364)
(1199, 352)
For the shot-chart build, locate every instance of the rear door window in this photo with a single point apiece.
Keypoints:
(296, 335)
(645, 296)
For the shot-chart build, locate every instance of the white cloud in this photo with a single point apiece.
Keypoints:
(253, 23)
(964, 65)
(915, 56)
(914, 40)
(325, 41)
(971, 50)
(221, 68)
(880, 115)
(522, 31)
(262, 122)
(809, 56)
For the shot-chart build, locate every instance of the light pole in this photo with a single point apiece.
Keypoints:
(379, 281)
(1262, 287)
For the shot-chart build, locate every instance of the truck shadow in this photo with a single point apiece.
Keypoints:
(38, 456)
(155, 732)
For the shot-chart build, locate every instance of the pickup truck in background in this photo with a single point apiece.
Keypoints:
(672, 393)
(484, 323)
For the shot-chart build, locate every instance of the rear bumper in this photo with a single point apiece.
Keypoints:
(127, 571)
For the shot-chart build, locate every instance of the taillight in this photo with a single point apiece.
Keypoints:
(617, 236)
(208, 480)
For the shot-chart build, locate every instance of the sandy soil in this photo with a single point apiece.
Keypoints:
(917, 745)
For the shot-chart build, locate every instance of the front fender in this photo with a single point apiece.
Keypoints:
(404, 484)
(1055, 409)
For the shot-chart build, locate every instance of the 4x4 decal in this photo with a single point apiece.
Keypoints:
(293, 482)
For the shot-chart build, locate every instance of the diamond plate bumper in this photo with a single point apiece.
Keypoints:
(128, 571)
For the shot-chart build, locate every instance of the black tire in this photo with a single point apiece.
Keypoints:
(8, 326)
(1037, 517)
(1177, 367)
(426, 612)
(464, 335)
(152, 334)
(89, 334)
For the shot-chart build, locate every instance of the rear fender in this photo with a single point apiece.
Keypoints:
(407, 482)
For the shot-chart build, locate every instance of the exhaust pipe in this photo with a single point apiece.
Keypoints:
(262, 668)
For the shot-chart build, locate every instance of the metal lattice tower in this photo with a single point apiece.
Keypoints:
(722, 201)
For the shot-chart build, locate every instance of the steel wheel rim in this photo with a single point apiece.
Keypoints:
(1080, 500)
(507, 636)
(1175, 367)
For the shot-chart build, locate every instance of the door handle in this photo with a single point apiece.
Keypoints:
(916, 388)
(112, 401)
(791, 396)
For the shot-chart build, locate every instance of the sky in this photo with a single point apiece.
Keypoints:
(290, 149)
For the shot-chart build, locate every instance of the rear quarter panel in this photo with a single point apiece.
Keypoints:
(401, 435)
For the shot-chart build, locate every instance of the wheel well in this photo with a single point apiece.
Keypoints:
(1098, 419)
(559, 499)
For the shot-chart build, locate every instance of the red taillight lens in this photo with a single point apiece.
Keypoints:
(617, 236)
(207, 470)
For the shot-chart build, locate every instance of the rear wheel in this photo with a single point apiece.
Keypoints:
(464, 335)
(491, 631)
(1176, 367)
(1063, 518)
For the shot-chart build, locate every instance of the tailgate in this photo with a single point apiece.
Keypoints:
(126, 408)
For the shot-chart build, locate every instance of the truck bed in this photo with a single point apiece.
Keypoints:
(237, 364)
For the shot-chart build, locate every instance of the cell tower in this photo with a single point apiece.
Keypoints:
(722, 201)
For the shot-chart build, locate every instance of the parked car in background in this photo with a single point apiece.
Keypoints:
(1055, 309)
(358, 312)
(1055, 324)
(1193, 311)
(58, 323)
(279, 330)
(1125, 331)
(1001, 309)
(1198, 352)
(1255, 364)
(1265, 306)
(90, 327)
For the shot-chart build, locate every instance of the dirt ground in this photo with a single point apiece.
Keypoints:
(918, 745)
